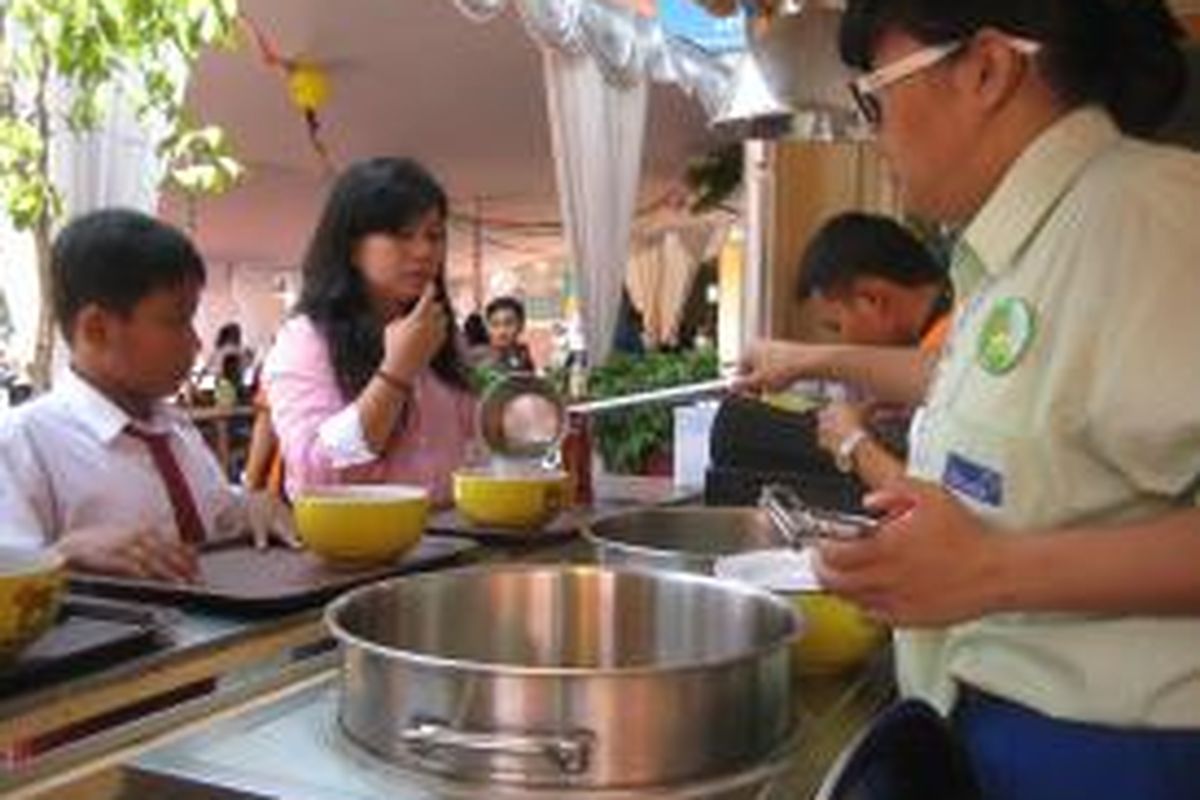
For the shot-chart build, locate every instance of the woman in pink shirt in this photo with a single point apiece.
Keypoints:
(365, 382)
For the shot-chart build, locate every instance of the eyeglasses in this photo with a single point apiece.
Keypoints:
(865, 89)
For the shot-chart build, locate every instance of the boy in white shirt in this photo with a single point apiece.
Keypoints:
(100, 467)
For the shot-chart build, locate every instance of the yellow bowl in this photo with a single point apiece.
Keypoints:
(361, 523)
(837, 635)
(31, 586)
(519, 500)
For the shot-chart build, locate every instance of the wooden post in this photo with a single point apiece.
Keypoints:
(812, 182)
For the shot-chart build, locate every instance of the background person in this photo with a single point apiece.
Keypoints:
(230, 359)
(505, 318)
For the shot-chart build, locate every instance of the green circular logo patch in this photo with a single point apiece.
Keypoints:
(1006, 335)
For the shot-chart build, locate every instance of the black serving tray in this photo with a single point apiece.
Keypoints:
(89, 635)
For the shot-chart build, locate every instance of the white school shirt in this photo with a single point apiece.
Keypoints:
(67, 462)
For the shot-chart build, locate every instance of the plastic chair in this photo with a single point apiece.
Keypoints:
(908, 753)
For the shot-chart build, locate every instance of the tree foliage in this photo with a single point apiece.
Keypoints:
(61, 61)
(81, 49)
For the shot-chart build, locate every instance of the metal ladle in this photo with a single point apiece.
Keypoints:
(523, 417)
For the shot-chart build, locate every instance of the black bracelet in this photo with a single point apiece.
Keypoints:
(403, 387)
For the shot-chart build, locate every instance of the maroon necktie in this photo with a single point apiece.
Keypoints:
(187, 518)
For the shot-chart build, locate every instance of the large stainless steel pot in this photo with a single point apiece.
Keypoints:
(566, 676)
(680, 538)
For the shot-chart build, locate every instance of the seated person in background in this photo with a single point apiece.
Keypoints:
(872, 282)
(230, 359)
(100, 467)
(505, 323)
(367, 383)
(475, 338)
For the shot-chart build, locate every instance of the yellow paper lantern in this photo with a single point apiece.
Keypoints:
(308, 86)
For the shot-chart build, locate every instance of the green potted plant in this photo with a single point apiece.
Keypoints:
(637, 440)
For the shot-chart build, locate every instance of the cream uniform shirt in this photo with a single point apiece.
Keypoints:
(1082, 275)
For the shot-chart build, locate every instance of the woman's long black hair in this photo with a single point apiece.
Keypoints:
(379, 195)
(1122, 54)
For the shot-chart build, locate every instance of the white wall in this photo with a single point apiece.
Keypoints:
(248, 294)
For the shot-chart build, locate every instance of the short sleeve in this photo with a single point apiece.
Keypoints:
(318, 430)
(1143, 409)
(26, 494)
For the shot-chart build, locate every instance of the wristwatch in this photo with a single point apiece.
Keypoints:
(843, 459)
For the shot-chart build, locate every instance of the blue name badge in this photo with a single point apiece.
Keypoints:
(979, 483)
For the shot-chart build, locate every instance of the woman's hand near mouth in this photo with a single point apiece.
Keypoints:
(411, 341)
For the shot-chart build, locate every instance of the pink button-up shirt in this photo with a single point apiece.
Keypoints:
(320, 432)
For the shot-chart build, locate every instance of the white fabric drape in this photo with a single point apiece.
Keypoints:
(598, 59)
(114, 165)
(627, 46)
(597, 129)
(644, 282)
(662, 272)
(18, 281)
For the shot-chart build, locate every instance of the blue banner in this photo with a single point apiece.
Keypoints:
(686, 19)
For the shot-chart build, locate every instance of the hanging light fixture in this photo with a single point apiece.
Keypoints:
(792, 72)
(752, 111)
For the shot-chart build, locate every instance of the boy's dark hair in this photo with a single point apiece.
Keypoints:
(506, 303)
(1122, 54)
(855, 245)
(378, 195)
(115, 258)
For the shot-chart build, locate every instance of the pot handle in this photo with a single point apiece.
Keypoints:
(569, 752)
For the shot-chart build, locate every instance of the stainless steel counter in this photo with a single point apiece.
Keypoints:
(293, 748)
(235, 659)
(199, 646)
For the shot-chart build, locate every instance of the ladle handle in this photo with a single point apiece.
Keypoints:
(671, 394)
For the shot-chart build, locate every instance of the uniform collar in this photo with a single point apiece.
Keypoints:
(104, 418)
(1034, 184)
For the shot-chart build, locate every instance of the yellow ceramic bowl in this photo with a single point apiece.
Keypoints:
(518, 500)
(362, 523)
(837, 635)
(31, 586)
